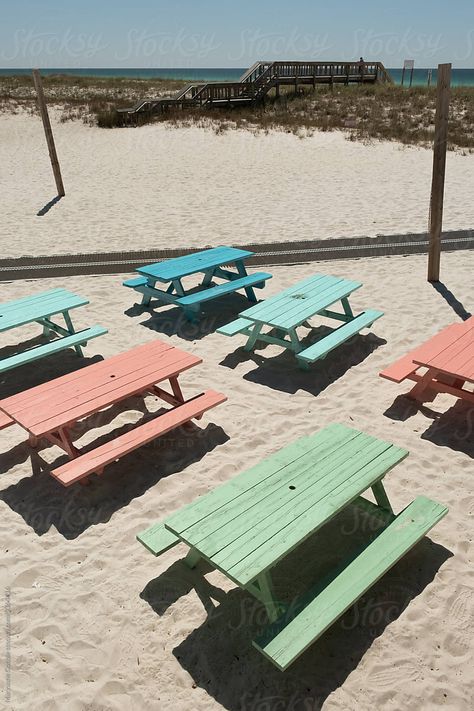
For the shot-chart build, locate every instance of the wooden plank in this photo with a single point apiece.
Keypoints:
(229, 491)
(133, 283)
(456, 358)
(99, 457)
(33, 311)
(234, 536)
(439, 170)
(86, 389)
(111, 366)
(87, 404)
(47, 349)
(157, 539)
(338, 336)
(271, 306)
(25, 300)
(193, 263)
(5, 420)
(240, 325)
(241, 514)
(221, 289)
(285, 641)
(48, 132)
(263, 551)
(405, 366)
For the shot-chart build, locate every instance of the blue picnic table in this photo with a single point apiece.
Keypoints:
(40, 308)
(281, 315)
(210, 263)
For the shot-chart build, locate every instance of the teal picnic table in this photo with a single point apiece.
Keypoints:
(277, 319)
(246, 526)
(211, 264)
(41, 308)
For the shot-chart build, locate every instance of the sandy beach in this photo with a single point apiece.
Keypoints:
(94, 621)
(155, 187)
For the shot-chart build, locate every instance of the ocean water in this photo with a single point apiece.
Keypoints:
(460, 77)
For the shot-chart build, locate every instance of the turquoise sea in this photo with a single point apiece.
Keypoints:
(460, 77)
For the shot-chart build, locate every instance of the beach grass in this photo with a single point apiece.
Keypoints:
(370, 112)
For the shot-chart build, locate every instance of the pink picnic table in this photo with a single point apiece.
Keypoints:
(444, 364)
(52, 410)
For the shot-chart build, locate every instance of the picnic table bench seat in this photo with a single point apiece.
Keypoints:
(256, 280)
(288, 638)
(96, 459)
(322, 347)
(80, 338)
(136, 281)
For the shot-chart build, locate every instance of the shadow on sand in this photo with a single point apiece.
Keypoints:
(172, 322)
(43, 502)
(48, 206)
(453, 428)
(283, 373)
(450, 299)
(221, 649)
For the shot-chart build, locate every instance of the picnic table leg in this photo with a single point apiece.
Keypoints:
(249, 291)
(265, 585)
(190, 313)
(70, 328)
(208, 277)
(381, 497)
(422, 392)
(192, 558)
(254, 334)
(146, 298)
(347, 308)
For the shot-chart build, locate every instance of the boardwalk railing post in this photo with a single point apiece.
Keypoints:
(439, 170)
(48, 132)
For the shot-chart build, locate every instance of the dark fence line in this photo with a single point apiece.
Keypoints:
(265, 255)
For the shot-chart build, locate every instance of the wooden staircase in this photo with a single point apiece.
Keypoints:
(257, 81)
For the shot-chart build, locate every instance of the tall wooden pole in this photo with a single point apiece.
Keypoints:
(48, 132)
(439, 170)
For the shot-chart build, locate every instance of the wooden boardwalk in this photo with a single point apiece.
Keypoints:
(256, 83)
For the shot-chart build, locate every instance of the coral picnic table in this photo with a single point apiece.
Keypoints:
(39, 308)
(210, 263)
(286, 311)
(246, 526)
(50, 411)
(448, 360)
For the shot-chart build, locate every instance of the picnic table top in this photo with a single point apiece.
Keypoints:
(37, 306)
(293, 306)
(60, 402)
(452, 354)
(193, 263)
(245, 526)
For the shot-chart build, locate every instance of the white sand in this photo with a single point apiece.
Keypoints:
(97, 623)
(154, 187)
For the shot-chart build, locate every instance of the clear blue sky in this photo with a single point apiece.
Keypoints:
(225, 33)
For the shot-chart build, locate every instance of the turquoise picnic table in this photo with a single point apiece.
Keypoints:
(41, 308)
(281, 315)
(246, 526)
(209, 262)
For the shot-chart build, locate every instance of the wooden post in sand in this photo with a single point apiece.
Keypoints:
(48, 132)
(439, 170)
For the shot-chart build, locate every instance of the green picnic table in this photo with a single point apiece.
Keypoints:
(212, 264)
(41, 308)
(246, 526)
(281, 315)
